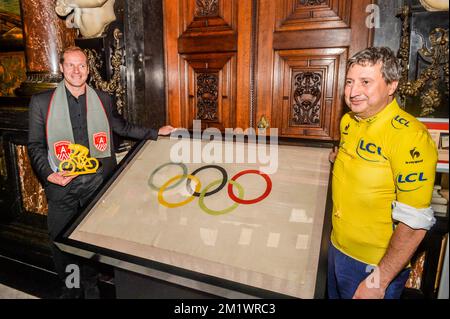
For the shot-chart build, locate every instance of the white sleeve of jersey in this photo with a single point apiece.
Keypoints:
(416, 218)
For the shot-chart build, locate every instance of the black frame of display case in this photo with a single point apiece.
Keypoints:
(206, 284)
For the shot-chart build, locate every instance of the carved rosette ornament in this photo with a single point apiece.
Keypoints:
(114, 85)
(207, 96)
(206, 8)
(307, 93)
(428, 82)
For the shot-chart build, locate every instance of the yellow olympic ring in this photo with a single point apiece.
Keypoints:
(163, 202)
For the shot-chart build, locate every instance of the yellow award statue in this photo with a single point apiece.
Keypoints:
(79, 163)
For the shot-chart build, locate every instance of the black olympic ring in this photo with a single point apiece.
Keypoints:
(222, 185)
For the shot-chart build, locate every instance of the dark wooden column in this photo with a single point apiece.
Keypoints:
(45, 36)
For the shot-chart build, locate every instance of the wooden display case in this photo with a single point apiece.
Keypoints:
(272, 246)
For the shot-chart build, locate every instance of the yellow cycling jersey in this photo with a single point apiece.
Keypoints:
(387, 157)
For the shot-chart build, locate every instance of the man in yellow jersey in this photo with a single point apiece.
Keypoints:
(383, 179)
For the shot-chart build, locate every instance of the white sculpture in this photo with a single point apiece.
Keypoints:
(435, 5)
(91, 17)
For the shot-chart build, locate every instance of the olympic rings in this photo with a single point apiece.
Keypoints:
(250, 201)
(207, 210)
(204, 193)
(156, 188)
(222, 185)
(164, 187)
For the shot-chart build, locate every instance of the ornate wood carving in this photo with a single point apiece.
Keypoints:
(433, 82)
(313, 14)
(204, 16)
(307, 95)
(207, 96)
(210, 90)
(206, 8)
(113, 86)
(312, 2)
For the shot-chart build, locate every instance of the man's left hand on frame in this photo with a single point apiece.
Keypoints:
(166, 130)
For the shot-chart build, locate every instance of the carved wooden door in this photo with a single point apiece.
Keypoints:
(302, 50)
(204, 66)
(233, 63)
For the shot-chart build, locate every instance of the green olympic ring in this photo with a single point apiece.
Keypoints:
(209, 211)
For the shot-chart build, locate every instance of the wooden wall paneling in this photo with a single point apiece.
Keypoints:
(288, 31)
(208, 81)
(200, 16)
(302, 15)
(278, 25)
(172, 30)
(265, 61)
(361, 36)
(201, 41)
(245, 54)
(208, 26)
(308, 91)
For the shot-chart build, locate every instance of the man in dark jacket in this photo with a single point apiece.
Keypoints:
(74, 113)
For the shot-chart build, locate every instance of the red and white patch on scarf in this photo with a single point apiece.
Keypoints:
(62, 151)
(100, 141)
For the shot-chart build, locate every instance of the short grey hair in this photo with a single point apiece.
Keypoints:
(390, 67)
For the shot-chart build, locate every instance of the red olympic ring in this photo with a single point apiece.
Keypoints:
(250, 201)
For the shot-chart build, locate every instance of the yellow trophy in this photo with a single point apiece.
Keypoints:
(78, 162)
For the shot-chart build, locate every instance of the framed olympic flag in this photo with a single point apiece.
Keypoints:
(226, 218)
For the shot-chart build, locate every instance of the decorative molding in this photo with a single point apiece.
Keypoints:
(312, 2)
(43, 77)
(296, 15)
(206, 17)
(307, 102)
(206, 8)
(428, 82)
(37, 82)
(307, 94)
(207, 96)
(114, 85)
(210, 89)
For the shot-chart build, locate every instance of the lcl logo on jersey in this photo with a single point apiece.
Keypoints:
(369, 151)
(399, 122)
(410, 182)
